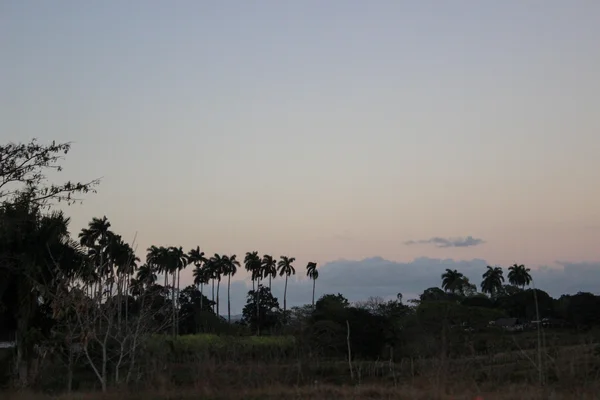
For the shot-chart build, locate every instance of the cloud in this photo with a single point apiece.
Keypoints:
(449, 242)
(376, 276)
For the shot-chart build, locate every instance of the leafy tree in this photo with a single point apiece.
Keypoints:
(269, 313)
(286, 268)
(580, 309)
(492, 280)
(522, 304)
(331, 304)
(433, 294)
(34, 248)
(197, 314)
(518, 275)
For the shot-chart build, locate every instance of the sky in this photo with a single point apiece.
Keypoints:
(325, 130)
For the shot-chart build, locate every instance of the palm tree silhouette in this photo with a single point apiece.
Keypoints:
(269, 268)
(250, 264)
(209, 270)
(518, 275)
(230, 266)
(286, 268)
(312, 273)
(217, 272)
(452, 280)
(146, 275)
(177, 260)
(253, 264)
(96, 237)
(156, 258)
(492, 280)
(197, 258)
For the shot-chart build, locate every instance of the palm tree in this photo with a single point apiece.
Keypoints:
(452, 280)
(518, 275)
(197, 258)
(251, 262)
(230, 266)
(312, 273)
(125, 260)
(146, 275)
(269, 268)
(177, 260)
(210, 274)
(156, 258)
(492, 280)
(286, 268)
(217, 272)
(96, 237)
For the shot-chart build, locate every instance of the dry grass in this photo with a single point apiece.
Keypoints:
(329, 392)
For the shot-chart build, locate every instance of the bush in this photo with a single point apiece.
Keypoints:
(231, 348)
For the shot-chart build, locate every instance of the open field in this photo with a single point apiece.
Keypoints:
(511, 392)
(212, 367)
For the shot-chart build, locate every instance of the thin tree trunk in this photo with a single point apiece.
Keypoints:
(213, 295)
(229, 298)
(269, 282)
(257, 299)
(173, 319)
(178, 289)
(201, 297)
(285, 295)
(218, 285)
(313, 299)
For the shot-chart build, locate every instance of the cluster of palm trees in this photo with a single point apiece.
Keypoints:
(113, 258)
(492, 282)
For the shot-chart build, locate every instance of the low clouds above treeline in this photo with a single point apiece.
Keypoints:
(358, 280)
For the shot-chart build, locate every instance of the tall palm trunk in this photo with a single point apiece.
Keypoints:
(257, 301)
(229, 298)
(285, 295)
(218, 286)
(213, 295)
(313, 299)
(178, 288)
(269, 282)
(173, 301)
(127, 288)
(201, 297)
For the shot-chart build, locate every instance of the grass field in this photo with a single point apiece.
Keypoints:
(221, 367)
(512, 392)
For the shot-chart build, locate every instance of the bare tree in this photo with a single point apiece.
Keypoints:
(103, 338)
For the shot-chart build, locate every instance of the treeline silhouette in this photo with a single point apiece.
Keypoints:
(86, 303)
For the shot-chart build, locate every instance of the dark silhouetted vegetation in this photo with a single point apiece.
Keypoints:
(85, 313)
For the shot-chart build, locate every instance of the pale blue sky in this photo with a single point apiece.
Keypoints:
(320, 129)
